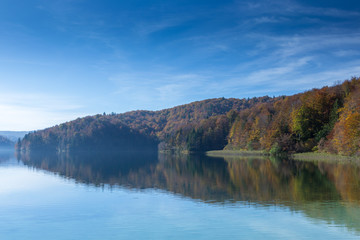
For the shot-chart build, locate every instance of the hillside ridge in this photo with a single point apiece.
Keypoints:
(326, 119)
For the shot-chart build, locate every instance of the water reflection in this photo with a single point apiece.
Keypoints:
(210, 179)
(6, 154)
(323, 191)
(93, 168)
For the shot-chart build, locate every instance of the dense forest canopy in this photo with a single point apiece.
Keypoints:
(326, 119)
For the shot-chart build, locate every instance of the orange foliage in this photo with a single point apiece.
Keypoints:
(345, 138)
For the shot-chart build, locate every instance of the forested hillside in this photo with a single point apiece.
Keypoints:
(136, 130)
(88, 134)
(326, 119)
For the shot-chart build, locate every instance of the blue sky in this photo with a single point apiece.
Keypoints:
(63, 59)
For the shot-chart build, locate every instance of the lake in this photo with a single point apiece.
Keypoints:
(161, 196)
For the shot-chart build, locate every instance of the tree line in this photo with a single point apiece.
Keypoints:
(326, 119)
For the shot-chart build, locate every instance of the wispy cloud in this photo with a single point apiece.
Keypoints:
(346, 53)
(121, 56)
(154, 90)
(266, 19)
(146, 28)
(290, 46)
(36, 111)
(292, 7)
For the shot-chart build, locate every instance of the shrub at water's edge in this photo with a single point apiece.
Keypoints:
(323, 120)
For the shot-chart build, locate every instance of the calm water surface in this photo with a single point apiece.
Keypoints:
(112, 196)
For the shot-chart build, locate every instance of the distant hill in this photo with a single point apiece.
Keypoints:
(5, 142)
(326, 119)
(13, 135)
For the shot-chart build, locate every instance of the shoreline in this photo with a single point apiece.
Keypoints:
(307, 156)
(241, 153)
(325, 157)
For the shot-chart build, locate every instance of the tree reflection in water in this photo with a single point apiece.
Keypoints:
(323, 191)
